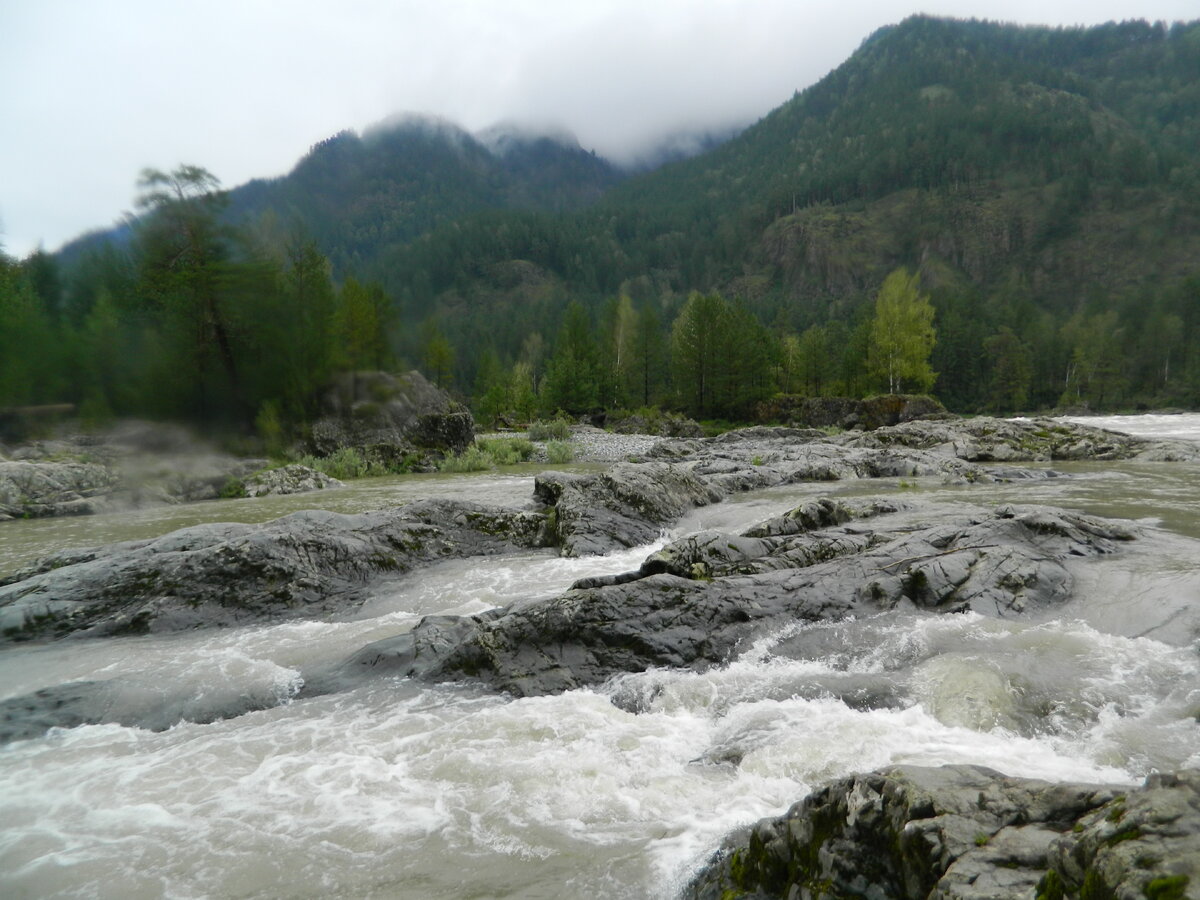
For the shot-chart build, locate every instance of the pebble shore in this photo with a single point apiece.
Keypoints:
(594, 444)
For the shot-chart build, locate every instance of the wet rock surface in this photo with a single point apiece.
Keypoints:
(701, 600)
(309, 564)
(135, 464)
(985, 439)
(967, 833)
(696, 603)
(845, 412)
(35, 489)
(400, 421)
(290, 479)
(627, 506)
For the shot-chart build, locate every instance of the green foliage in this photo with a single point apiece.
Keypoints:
(1051, 886)
(1012, 371)
(233, 489)
(270, 428)
(491, 388)
(487, 453)
(360, 320)
(721, 357)
(1042, 182)
(437, 354)
(574, 373)
(473, 459)
(1169, 887)
(345, 463)
(31, 359)
(559, 452)
(902, 335)
(194, 319)
(506, 451)
(553, 429)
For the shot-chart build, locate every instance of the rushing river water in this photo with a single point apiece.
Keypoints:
(415, 791)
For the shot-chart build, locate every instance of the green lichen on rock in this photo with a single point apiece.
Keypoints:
(904, 833)
(1050, 887)
(1169, 887)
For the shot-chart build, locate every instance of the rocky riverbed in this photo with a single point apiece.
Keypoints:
(701, 602)
(309, 564)
(134, 465)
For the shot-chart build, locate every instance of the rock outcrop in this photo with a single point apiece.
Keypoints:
(305, 565)
(401, 422)
(695, 603)
(986, 439)
(845, 412)
(665, 424)
(387, 417)
(700, 600)
(967, 833)
(627, 506)
(35, 489)
(290, 479)
(134, 464)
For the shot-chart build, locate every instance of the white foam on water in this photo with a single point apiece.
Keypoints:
(1174, 426)
(407, 791)
(479, 584)
(250, 655)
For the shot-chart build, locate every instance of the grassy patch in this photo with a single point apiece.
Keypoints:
(506, 451)
(473, 459)
(559, 452)
(345, 463)
(233, 489)
(553, 430)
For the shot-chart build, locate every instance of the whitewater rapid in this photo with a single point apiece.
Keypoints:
(415, 791)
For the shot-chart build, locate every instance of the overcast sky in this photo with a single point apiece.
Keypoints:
(91, 91)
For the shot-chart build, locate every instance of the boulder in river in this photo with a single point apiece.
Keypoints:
(846, 412)
(34, 489)
(289, 479)
(967, 833)
(987, 439)
(387, 416)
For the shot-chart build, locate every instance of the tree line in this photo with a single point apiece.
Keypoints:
(193, 319)
(188, 319)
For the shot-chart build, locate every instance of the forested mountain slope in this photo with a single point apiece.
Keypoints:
(1038, 177)
(1043, 184)
(358, 195)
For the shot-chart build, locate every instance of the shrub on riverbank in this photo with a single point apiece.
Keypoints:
(559, 452)
(554, 430)
(473, 459)
(506, 451)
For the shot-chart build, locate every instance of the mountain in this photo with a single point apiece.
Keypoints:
(355, 194)
(1043, 183)
(1033, 175)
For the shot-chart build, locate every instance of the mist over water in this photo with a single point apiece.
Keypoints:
(415, 791)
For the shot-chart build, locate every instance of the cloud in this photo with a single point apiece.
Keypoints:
(95, 91)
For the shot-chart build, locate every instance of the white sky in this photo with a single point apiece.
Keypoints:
(91, 91)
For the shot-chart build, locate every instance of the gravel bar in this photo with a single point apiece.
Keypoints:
(593, 444)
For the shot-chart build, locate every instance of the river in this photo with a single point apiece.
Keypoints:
(401, 790)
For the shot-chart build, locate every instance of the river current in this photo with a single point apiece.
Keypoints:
(401, 790)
